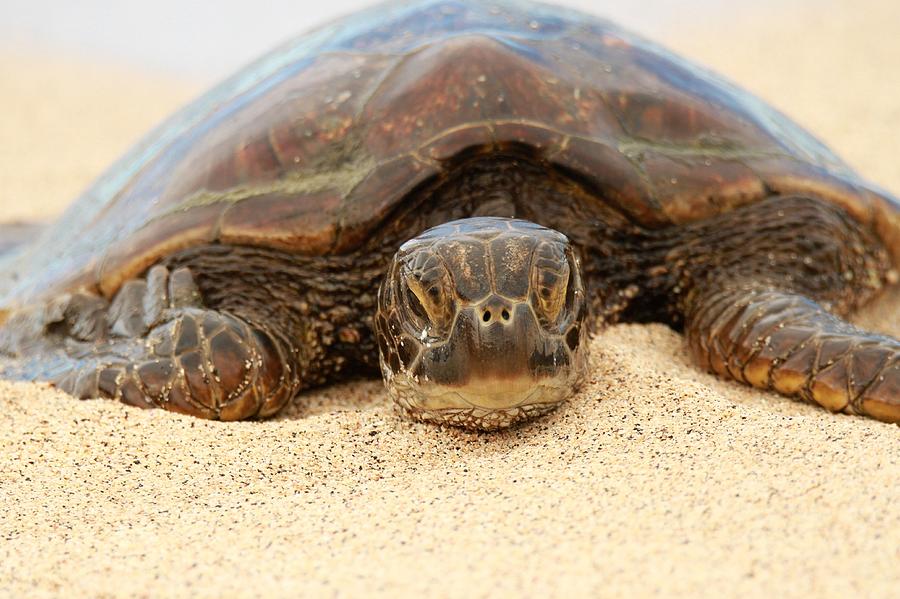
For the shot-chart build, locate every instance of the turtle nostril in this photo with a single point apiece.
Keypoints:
(496, 313)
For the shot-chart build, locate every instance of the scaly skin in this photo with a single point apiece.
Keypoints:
(787, 343)
(766, 310)
(156, 346)
(480, 323)
(760, 292)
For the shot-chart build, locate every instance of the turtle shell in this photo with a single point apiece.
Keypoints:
(309, 148)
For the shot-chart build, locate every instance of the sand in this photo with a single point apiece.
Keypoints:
(655, 480)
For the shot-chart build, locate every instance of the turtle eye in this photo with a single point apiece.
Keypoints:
(427, 294)
(551, 274)
(415, 305)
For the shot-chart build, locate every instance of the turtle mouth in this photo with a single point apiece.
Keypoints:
(508, 393)
(487, 377)
(484, 404)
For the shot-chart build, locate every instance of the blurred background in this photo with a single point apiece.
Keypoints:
(206, 39)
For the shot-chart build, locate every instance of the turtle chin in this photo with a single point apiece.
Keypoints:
(474, 409)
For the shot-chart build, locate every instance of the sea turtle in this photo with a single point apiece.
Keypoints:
(466, 190)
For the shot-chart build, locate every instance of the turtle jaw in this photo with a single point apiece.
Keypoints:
(485, 405)
(508, 366)
(488, 376)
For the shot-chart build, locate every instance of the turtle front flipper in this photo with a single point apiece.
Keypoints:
(764, 289)
(787, 343)
(199, 362)
(155, 345)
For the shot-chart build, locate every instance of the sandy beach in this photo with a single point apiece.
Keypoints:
(657, 479)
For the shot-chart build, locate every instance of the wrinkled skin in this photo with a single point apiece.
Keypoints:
(234, 257)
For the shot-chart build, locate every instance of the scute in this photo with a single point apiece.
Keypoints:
(467, 260)
(309, 148)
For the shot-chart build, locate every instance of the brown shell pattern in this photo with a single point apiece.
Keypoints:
(308, 148)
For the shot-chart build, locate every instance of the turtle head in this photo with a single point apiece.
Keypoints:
(480, 323)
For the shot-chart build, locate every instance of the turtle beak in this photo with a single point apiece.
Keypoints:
(496, 345)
